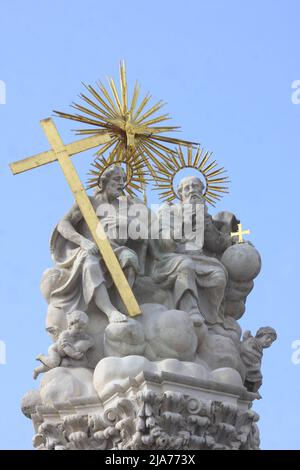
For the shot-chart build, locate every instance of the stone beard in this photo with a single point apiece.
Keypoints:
(184, 355)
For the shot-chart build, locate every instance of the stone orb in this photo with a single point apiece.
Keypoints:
(242, 262)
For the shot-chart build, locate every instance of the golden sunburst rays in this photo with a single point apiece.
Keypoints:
(132, 126)
(136, 178)
(216, 182)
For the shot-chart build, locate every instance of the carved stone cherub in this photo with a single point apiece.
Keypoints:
(252, 352)
(72, 344)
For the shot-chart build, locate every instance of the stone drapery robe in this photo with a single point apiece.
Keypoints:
(196, 270)
(251, 354)
(83, 272)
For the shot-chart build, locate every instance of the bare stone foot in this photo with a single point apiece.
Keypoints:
(117, 317)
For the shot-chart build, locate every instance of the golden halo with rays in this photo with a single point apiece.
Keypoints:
(135, 177)
(130, 126)
(166, 172)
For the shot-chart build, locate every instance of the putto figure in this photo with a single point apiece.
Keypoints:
(72, 344)
(252, 353)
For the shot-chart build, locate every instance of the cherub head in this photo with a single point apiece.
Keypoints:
(266, 336)
(77, 321)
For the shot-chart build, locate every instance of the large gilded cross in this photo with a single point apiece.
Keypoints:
(62, 153)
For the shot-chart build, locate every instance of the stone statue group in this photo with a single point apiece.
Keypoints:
(191, 295)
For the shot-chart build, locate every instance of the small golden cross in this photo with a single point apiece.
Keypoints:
(240, 233)
(62, 154)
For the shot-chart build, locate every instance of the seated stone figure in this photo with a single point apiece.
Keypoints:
(191, 270)
(85, 277)
(252, 353)
(72, 343)
(191, 287)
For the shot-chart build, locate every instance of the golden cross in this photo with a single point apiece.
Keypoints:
(240, 233)
(62, 154)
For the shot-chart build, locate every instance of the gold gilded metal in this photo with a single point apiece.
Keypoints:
(165, 171)
(135, 176)
(130, 125)
(60, 152)
(240, 233)
(48, 157)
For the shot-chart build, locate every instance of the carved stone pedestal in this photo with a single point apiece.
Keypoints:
(165, 411)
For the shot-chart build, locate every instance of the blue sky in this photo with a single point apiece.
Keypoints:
(226, 70)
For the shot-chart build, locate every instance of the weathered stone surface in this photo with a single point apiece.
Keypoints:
(163, 411)
(179, 375)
